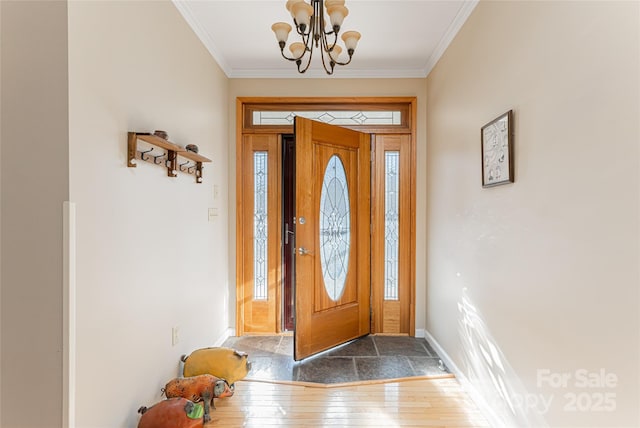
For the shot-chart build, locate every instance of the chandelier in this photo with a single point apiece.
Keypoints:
(309, 21)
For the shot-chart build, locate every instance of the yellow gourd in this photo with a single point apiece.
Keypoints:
(225, 363)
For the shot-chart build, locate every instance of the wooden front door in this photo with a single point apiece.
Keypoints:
(332, 279)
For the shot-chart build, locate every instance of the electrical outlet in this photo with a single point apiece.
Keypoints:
(175, 337)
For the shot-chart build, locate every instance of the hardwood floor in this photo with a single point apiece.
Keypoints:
(411, 403)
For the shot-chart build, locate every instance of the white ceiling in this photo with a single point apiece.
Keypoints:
(400, 38)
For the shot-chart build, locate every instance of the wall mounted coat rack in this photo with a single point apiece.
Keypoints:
(168, 158)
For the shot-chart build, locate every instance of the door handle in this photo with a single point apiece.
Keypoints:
(304, 252)
(287, 232)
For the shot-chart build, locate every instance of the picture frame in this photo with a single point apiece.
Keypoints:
(496, 140)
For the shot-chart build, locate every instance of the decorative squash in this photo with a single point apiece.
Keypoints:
(225, 363)
(203, 388)
(172, 413)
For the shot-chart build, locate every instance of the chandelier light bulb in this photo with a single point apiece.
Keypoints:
(335, 52)
(331, 3)
(302, 13)
(290, 3)
(337, 15)
(351, 41)
(281, 29)
(297, 49)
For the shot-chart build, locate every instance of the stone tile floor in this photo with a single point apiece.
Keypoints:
(368, 358)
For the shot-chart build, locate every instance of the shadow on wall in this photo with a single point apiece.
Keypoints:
(486, 368)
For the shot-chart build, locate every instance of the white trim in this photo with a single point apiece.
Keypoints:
(420, 332)
(443, 355)
(340, 73)
(457, 23)
(225, 335)
(466, 384)
(188, 15)
(69, 315)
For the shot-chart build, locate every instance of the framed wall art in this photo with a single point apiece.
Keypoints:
(497, 150)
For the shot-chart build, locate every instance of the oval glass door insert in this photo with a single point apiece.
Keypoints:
(335, 228)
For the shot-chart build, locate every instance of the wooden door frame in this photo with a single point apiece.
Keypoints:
(244, 127)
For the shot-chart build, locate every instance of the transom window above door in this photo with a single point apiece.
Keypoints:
(388, 116)
(335, 117)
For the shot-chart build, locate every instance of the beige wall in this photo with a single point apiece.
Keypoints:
(148, 259)
(541, 274)
(35, 183)
(303, 87)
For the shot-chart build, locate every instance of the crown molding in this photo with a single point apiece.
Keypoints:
(188, 15)
(457, 23)
(340, 73)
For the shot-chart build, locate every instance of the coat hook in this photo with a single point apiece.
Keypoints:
(143, 153)
(183, 164)
(155, 158)
(190, 168)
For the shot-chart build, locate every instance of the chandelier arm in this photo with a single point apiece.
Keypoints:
(305, 41)
(332, 63)
(306, 38)
(308, 48)
(335, 39)
(328, 51)
(287, 58)
(306, 67)
(343, 63)
(325, 50)
(315, 26)
(302, 33)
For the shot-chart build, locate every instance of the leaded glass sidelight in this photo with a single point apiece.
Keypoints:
(391, 223)
(335, 228)
(260, 226)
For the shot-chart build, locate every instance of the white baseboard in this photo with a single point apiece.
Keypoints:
(453, 368)
(227, 334)
(466, 384)
(420, 332)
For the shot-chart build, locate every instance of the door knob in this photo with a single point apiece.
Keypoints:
(304, 252)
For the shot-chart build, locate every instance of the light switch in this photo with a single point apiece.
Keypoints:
(213, 213)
